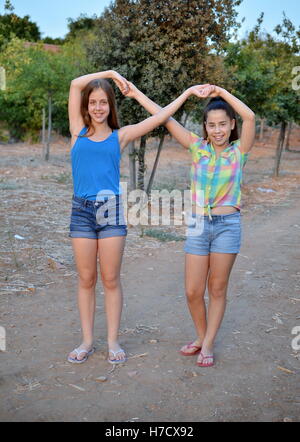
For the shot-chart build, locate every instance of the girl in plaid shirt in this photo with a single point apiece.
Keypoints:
(214, 225)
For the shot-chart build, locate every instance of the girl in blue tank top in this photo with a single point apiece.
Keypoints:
(97, 226)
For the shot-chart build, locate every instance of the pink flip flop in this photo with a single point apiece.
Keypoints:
(201, 364)
(190, 345)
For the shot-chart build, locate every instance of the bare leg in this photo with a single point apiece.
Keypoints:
(85, 252)
(110, 255)
(196, 270)
(220, 268)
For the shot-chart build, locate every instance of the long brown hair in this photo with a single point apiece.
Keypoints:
(112, 119)
(217, 103)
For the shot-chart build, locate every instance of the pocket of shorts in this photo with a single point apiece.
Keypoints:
(76, 206)
(190, 221)
(232, 220)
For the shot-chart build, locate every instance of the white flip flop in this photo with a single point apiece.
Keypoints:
(116, 361)
(78, 353)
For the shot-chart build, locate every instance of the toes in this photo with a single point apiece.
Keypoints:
(117, 355)
(73, 355)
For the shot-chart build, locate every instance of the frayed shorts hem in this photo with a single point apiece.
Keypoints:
(101, 235)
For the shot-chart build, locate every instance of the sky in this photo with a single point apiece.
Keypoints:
(51, 15)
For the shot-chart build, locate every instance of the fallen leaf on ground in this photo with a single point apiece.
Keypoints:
(138, 356)
(286, 370)
(76, 386)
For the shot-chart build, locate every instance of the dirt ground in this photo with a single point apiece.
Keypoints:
(256, 375)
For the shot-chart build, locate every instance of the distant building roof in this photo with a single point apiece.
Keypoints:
(47, 47)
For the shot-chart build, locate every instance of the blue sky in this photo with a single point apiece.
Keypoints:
(51, 15)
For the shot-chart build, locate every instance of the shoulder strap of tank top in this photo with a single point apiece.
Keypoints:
(83, 131)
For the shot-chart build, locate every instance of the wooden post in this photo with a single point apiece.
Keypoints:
(44, 132)
(49, 127)
(262, 127)
(279, 147)
(287, 138)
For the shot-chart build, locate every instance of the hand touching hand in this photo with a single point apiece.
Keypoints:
(121, 82)
(201, 90)
(215, 91)
(132, 90)
(205, 90)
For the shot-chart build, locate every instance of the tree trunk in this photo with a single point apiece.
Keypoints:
(186, 116)
(159, 149)
(287, 138)
(44, 132)
(142, 167)
(49, 127)
(279, 147)
(262, 128)
(132, 168)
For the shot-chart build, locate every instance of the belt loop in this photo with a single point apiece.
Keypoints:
(209, 213)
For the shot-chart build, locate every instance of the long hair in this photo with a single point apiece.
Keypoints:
(217, 103)
(112, 119)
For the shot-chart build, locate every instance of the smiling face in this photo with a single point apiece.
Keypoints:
(98, 107)
(219, 126)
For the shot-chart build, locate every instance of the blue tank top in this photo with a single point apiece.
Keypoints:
(96, 166)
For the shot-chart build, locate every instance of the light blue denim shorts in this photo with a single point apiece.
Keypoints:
(221, 234)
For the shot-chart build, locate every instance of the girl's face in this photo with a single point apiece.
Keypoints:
(98, 106)
(219, 127)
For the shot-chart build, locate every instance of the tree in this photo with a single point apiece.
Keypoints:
(80, 25)
(37, 79)
(261, 67)
(13, 25)
(162, 46)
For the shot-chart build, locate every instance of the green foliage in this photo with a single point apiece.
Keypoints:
(13, 25)
(163, 236)
(33, 75)
(80, 25)
(162, 46)
(53, 41)
(261, 69)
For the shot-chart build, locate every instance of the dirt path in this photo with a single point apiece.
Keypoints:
(157, 384)
(256, 376)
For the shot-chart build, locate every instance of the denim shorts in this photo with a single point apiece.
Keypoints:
(97, 219)
(221, 234)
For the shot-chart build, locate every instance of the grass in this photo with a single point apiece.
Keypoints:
(62, 178)
(9, 185)
(163, 236)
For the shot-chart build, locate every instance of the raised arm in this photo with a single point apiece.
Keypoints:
(247, 115)
(160, 116)
(77, 85)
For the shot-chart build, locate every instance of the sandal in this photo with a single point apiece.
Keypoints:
(116, 361)
(192, 353)
(201, 364)
(78, 353)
